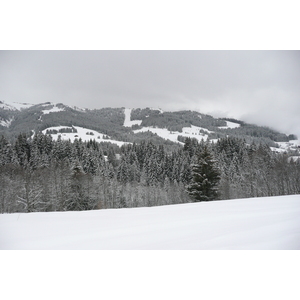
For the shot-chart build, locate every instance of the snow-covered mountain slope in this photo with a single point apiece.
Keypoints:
(128, 122)
(14, 105)
(192, 132)
(80, 133)
(6, 123)
(230, 125)
(256, 223)
(157, 109)
(16, 118)
(52, 110)
(293, 144)
(198, 133)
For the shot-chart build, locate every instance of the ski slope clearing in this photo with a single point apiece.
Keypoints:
(230, 125)
(254, 223)
(52, 110)
(127, 121)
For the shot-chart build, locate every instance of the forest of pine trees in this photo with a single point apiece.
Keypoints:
(40, 174)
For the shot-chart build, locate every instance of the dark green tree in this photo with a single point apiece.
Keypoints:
(205, 177)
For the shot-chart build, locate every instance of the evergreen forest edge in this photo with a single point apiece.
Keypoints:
(40, 174)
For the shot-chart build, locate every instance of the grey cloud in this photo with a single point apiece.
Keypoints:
(259, 85)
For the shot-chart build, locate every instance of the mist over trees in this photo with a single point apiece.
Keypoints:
(40, 174)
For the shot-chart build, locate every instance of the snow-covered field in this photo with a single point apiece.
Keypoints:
(254, 223)
(283, 147)
(192, 132)
(82, 133)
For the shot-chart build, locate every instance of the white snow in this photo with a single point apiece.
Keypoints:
(57, 109)
(278, 150)
(293, 145)
(6, 123)
(294, 158)
(7, 106)
(81, 133)
(254, 223)
(230, 125)
(78, 108)
(15, 105)
(51, 110)
(192, 132)
(159, 109)
(289, 145)
(127, 121)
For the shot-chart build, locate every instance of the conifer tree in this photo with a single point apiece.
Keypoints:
(205, 177)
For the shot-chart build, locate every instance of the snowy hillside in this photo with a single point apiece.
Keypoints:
(230, 125)
(16, 118)
(256, 223)
(81, 133)
(191, 132)
(14, 105)
(6, 123)
(292, 145)
(128, 122)
(52, 110)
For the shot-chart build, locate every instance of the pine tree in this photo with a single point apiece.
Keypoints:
(205, 177)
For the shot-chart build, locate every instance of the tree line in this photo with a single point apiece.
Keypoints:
(40, 174)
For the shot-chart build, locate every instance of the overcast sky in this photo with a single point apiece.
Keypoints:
(261, 87)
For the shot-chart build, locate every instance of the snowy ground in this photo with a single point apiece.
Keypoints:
(283, 147)
(82, 133)
(14, 105)
(230, 125)
(52, 110)
(256, 223)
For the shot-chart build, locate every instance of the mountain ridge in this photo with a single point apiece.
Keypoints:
(132, 124)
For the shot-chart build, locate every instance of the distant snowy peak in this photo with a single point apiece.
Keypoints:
(78, 108)
(157, 109)
(56, 107)
(14, 105)
(6, 106)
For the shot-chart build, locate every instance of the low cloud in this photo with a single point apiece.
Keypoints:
(259, 86)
